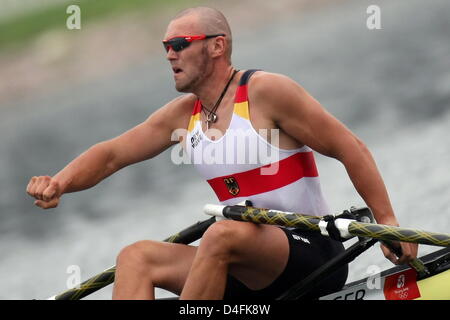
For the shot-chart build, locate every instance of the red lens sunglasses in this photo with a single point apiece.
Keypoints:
(179, 43)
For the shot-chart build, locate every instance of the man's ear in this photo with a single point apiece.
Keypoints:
(218, 47)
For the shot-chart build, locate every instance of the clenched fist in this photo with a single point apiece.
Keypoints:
(46, 190)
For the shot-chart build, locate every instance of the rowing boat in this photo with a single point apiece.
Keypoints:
(403, 282)
(397, 283)
(424, 278)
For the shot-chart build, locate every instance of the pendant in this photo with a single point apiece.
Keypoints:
(212, 117)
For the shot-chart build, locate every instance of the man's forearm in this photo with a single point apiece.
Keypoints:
(366, 178)
(87, 170)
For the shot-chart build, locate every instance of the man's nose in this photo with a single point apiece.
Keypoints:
(171, 54)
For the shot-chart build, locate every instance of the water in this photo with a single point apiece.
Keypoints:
(390, 86)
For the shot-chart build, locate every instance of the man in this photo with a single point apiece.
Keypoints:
(234, 258)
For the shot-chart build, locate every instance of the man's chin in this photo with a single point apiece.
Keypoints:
(185, 88)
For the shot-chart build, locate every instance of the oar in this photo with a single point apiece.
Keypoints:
(346, 227)
(105, 278)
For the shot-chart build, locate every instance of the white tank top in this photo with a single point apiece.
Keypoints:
(242, 165)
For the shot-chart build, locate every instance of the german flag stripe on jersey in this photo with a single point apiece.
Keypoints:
(248, 183)
(195, 115)
(240, 102)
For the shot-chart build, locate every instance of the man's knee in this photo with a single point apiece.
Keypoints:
(138, 253)
(221, 238)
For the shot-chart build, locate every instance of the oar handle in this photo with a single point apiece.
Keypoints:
(314, 223)
(394, 247)
(416, 263)
(214, 210)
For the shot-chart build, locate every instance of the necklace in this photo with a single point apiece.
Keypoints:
(211, 116)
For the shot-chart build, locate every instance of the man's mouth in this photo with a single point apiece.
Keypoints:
(177, 70)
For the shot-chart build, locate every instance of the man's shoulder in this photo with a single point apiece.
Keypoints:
(175, 113)
(181, 106)
(184, 102)
(271, 87)
(263, 82)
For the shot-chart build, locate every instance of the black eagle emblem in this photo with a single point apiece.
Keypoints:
(232, 185)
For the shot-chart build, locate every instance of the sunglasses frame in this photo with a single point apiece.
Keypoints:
(187, 41)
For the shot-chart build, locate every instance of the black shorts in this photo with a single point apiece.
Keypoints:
(307, 252)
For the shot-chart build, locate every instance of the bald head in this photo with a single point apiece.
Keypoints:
(210, 21)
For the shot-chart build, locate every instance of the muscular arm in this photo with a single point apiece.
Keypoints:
(142, 142)
(300, 116)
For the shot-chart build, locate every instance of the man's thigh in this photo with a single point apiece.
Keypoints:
(260, 254)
